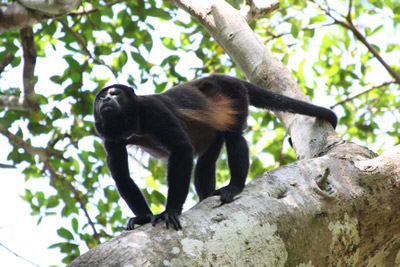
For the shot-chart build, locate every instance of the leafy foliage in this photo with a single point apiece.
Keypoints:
(151, 45)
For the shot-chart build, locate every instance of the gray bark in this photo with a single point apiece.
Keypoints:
(25, 13)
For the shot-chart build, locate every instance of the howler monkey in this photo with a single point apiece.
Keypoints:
(193, 119)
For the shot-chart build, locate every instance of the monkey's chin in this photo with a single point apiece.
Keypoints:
(110, 113)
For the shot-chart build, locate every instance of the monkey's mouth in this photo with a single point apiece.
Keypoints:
(108, 111)
(105, 107)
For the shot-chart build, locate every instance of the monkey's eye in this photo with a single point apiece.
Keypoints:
(114, 92)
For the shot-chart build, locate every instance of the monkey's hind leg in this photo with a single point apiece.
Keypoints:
(204, 173)
(238, 161)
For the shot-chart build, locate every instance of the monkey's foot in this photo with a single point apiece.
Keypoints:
(228, 193)
(138, 220)
(170, 216)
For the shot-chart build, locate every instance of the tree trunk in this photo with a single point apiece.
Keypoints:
(337, 206)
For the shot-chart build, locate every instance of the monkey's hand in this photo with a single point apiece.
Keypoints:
(138, 220)
(228, 193)
(170, 216)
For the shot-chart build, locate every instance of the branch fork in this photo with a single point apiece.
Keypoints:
(253, 9)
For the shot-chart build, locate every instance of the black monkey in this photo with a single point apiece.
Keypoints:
(193, 119)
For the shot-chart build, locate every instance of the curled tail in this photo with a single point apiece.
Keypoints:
(263, 98)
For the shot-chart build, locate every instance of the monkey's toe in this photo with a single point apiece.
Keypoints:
(227, 194)
(139, 220)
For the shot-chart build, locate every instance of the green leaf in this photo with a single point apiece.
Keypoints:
(169, 43)
(139, 59)
(156, 12)
(65, 233)
(318, 19)
(376, 3)
(75, 225)
(52, 202)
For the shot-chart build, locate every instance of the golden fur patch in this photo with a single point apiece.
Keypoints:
(220, 114)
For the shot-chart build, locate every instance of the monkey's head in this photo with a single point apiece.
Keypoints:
(114, 108)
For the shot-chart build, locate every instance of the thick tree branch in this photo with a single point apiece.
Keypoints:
(14, 16)
(51, 7)
(83, 11)
(29, 54)
(25, 13)
(29, 100)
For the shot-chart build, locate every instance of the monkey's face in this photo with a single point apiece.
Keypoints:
(113, 108)
(112, 103)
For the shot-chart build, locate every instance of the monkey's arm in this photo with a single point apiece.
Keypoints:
(180, 164)
(117, 161)
(171, 135)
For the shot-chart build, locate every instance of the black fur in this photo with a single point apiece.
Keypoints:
(191, 120)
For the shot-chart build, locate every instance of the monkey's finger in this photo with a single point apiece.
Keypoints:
(155, 219)
(167, 221)
(176, 223)
(130, 225)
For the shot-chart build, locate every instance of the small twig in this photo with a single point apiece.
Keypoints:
(18, 141)
(307, 28)
(327, 4)
(78, 197)
(364, 91)
(18, 256)
(350, 26)
(349, 12)
(44, 156)
(54, 177)
(79, 38)
(83, 46)
(322, 180)
(15, 16)
(253, 9)
(7, 166)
